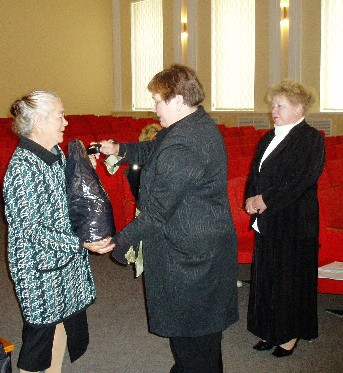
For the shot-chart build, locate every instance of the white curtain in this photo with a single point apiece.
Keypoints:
(331, 70)
(233, 54)
(146, 49)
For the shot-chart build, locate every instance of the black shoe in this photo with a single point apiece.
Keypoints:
(262, 346)
(281, 352)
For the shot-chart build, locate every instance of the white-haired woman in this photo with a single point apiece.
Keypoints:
(49, 264)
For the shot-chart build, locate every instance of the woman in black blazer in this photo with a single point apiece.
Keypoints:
(281, 196)
(185, 224)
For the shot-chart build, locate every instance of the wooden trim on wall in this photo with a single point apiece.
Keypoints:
(117, 51)
(274, 42)
(295, 39)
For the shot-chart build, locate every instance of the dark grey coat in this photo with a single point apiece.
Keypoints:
(189, 240)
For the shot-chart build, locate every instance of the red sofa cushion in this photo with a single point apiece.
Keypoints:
(335, 171)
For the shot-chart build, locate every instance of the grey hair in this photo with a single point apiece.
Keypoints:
(25, 109)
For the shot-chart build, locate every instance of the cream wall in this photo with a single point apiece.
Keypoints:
(125, 80)
(67, 47)
(63, 46)
(310, 53)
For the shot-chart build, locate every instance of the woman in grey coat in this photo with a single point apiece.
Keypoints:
(185, 225)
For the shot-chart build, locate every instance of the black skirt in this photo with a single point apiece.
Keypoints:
(283, 291)
(35, 353)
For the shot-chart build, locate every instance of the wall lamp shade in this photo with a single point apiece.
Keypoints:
(284, 16)
(184, 33)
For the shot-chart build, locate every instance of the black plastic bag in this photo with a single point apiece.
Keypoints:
(90, 210)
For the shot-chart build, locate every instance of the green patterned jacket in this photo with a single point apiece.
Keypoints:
(49, 266)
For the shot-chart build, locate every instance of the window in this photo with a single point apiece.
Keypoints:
(331, 77)
(146, 49)
(233, 54)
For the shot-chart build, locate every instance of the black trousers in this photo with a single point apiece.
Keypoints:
(197, 354)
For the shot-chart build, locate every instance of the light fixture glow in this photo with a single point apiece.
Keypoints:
(284, 14)
(184, 33)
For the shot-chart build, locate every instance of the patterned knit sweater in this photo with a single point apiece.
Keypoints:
(49, 266)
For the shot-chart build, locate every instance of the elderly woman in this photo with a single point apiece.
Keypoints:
(185, 224)
(281, 196)
(48, 263)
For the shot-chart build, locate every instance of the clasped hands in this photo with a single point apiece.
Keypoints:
(100, 247)
(255, 205)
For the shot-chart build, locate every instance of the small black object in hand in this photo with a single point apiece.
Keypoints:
(94, 149)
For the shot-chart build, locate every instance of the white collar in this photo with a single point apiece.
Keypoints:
(283, 130)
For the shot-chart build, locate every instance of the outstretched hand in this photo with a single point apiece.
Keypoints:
(109, 147)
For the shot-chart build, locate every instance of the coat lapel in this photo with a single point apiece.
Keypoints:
(284, 143)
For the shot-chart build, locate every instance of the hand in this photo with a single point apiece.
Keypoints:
(249, 206)
(100, 247)
(93, 158)
(108, 147)
(255, 205)
(259, 204)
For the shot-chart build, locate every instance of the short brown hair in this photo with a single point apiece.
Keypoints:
(294, 92)
(178, 80)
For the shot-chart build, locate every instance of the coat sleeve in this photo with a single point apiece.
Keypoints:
(136, 152)
(177, 170)
(306, 166)
(250, 189)
(24, 205)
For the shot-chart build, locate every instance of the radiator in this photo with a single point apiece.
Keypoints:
(321, 124)
(260, 123)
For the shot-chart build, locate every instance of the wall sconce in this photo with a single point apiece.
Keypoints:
(184, 33)
(284, 14)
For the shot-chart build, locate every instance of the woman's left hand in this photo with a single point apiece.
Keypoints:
(100, 247)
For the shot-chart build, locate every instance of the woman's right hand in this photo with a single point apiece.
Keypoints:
(108, 147)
